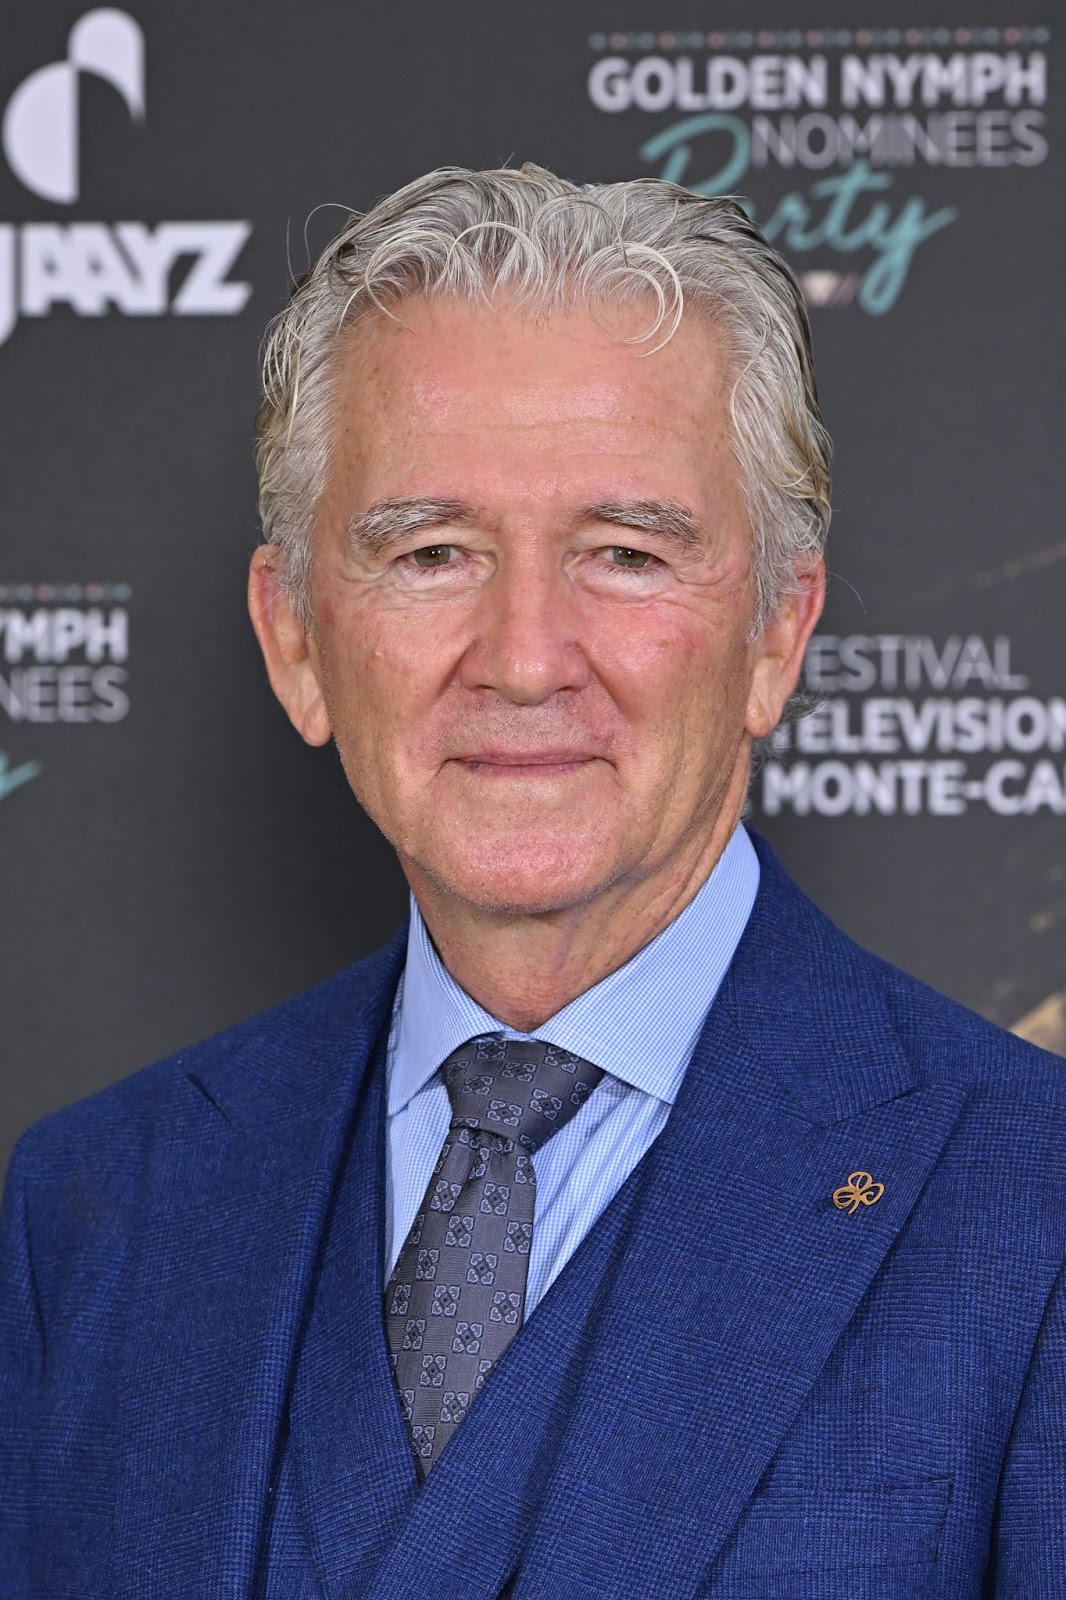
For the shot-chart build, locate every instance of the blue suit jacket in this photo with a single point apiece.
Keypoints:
(763, 1396)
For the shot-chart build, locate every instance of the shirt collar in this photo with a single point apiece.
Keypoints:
(639, 1023)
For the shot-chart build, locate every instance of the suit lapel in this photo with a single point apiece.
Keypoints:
(354, 1467)
(234, 1213)
(741, 1274)
(709, 1319)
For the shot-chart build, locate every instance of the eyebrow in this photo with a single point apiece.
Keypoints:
(388, 520)
(664, 518)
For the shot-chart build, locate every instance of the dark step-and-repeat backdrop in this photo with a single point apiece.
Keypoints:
(172, 857)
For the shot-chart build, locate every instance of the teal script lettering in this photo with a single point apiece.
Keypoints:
(829, 215)
(12, 778)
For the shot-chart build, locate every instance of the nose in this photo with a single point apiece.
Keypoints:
(527, 643)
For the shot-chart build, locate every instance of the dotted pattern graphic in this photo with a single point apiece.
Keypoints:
(823, 39)
(63, 593)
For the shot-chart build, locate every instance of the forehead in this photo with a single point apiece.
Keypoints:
(444, 381)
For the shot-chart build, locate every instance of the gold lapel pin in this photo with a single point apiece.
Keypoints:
(860, 1190)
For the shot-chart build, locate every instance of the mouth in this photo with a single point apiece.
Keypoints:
(525, 763)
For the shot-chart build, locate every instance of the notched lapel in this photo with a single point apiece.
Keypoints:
(741, 1276)
(739, 1281)
(353, 1464)
(235, 1204)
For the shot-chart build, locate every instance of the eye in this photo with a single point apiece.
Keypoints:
(622, 556)
(432, 555)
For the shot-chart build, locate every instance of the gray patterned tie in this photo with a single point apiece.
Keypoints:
(456, 1297)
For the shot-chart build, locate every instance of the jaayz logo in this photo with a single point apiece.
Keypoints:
(828, 133)
(95, 267)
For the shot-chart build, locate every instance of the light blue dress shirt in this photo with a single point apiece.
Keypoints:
(640, 1025)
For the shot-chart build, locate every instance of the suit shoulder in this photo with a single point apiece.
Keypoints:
(112, 1117)
(950, 1040)
(945, 1041)
(1008, 1079)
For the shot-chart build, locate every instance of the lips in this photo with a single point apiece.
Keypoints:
(550, 757)
(520, 763)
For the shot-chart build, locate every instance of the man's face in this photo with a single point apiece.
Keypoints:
(532, 598)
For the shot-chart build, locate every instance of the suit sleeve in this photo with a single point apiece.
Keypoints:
(1029, 1536)
(21, 1365)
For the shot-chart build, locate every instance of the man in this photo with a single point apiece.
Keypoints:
(622, 1229)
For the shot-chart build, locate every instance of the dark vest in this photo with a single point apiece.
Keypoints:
(349, 1520)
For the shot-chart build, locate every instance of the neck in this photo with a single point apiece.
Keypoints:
(523, 969)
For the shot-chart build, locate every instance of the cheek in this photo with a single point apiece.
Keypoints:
(384, 670)
(354, 682)
(678, 668)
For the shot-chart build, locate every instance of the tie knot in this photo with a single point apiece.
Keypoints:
(520, 1089)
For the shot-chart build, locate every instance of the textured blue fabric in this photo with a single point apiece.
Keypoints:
(733, 1388)
(350, 1511)
(639, 1025)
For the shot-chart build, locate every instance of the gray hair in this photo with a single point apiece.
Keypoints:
(544, 243)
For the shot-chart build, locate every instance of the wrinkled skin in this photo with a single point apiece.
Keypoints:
(548, 714)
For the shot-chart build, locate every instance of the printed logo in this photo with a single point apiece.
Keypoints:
(40, 129)
(908, 725)
(97, 267)
(63, 652)
(864, 112)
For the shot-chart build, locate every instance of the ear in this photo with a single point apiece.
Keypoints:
(287, 651)
(780, 648)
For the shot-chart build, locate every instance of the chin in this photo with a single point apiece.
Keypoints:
(526, 878)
